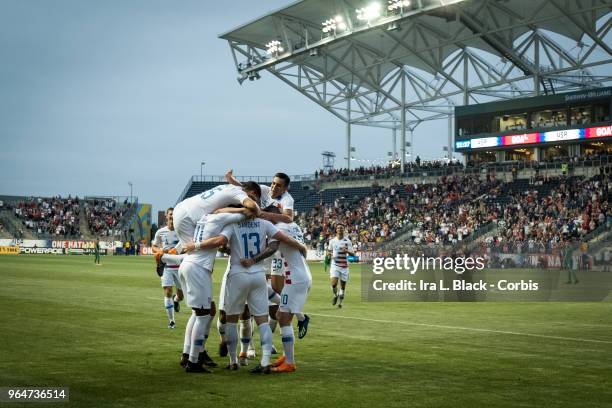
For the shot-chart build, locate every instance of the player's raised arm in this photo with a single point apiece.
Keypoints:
(229, 177)
(270, 250)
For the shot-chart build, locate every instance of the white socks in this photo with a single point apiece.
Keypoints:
(245, 335)
(287, 337)
(231, 337)
(198, 337)
(188, 329)
(265, 333)
(299, 316)
(169, 305)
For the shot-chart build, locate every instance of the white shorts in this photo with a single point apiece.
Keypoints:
(197, 285)
(170, 277)
(244, 287)
(293, 297)
(183, 224)
(337, 272)
(278, 267)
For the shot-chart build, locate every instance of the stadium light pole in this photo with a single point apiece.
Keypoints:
(131, 200)
(348, 134)
(394, 143)
(403, 119)
(202, 170)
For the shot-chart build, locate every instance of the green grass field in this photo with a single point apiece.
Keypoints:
(102, 332)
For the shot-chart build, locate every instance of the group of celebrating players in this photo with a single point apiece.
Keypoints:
(252, 223)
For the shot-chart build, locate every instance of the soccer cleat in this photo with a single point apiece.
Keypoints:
(184, 360)
(279, 361)
(284, 368)
(242, 359)
(258, 369)
(160, 265)
(251, 353)
(195, 368)
(232, 367)
(339, 305)
(222, 349)
(172, 325)
(205, 359)
(335, 300)
(303, 327)
(177, 306)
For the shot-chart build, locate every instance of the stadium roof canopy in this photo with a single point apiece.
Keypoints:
(397, 63)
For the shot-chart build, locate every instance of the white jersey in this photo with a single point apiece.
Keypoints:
(284, 202)
(296, 268)
(166, 239)
(210, 200)
(247, 239)
(340, 249)
(209, 226)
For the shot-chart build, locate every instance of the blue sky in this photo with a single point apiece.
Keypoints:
(94, 94)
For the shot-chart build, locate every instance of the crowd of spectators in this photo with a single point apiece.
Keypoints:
(54, 216)
(103, 216)
(439, 213)
(534, 223)
(393, 168)
(452, 209)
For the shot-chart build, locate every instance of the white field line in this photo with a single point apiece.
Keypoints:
(439, 326)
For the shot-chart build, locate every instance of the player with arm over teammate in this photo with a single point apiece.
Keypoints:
(339, 248)
(248, 284)
(295, 291)
(165, 242)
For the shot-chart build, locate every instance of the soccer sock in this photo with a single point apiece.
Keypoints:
(172, 259)
(221, 330)
(299, 316)
(245, 335)
(335, 290)
(197, 337)
(169, 305)
(175, 298)
(273, 323)
(341, 293)
(188, 329)
(287, 336)
(265, 334)
(231, 337)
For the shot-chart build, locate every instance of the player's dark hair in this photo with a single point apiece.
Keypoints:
(283, 177)
(252, 187)
(272, 209)
(169, 209)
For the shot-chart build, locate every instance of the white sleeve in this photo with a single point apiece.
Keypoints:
(157, 239)
(350, 246)
(329, 245)
(270, 230)
(238, 195)
(227, 232)
(266, 194)
(287, 202)
(229, 218)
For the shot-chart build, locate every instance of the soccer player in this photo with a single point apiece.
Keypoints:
(97, 251)
(190, 211)
(293, 296)
(195, 274)
(248, 284)
(276, 195)
(339, 248)
(164, 242)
